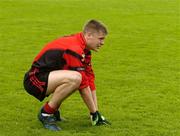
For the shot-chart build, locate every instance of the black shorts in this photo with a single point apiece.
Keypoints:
(35, 83)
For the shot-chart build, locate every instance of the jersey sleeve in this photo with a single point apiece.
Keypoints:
(89, 70)
(74, 61)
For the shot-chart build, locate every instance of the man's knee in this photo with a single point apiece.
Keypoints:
(57, 78)
(76, 78)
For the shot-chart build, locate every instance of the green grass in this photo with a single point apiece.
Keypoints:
(137, 70)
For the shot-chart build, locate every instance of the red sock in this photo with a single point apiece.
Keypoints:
(48, 109)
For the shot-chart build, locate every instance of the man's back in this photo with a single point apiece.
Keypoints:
(51, 57)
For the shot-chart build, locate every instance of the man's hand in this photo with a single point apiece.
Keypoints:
(97, 119)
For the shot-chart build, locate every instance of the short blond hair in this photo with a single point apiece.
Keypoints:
(95, 26)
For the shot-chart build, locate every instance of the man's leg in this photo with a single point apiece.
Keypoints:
(61, 84)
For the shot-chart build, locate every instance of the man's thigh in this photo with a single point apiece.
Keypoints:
(59, 77)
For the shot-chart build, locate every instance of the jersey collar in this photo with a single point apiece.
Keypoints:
(82, 40)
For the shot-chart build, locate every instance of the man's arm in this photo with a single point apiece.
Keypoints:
(96, 117)
(94, 96)
(91, 77)
(88, 99)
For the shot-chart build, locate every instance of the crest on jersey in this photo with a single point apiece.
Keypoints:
(83, 58)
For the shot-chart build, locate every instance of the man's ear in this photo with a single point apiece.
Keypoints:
(89, 34)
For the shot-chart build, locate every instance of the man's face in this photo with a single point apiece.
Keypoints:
(95, 40)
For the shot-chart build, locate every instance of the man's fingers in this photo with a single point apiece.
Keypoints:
(107, 122)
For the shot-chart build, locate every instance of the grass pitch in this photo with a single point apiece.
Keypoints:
(137, 70)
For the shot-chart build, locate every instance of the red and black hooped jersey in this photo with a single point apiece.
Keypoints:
(67, 53)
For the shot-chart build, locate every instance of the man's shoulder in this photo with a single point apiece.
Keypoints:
(73, 42)
(70, 42)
